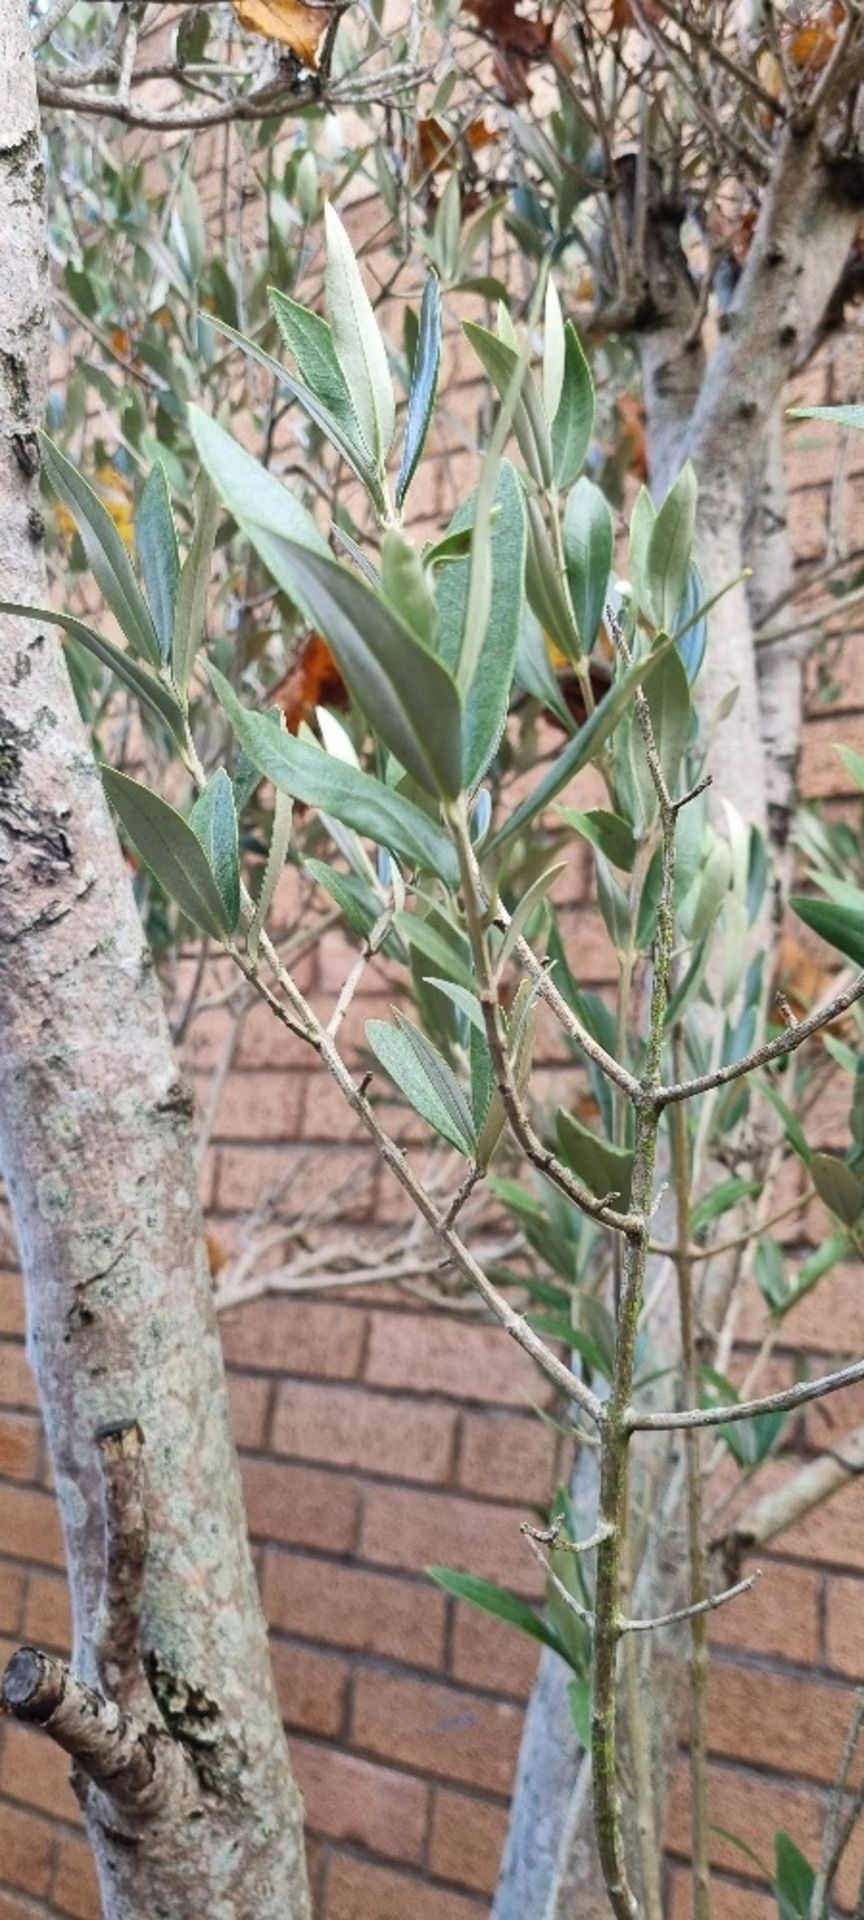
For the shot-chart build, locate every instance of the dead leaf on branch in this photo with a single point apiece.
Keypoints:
(518, 41)
(294, 25)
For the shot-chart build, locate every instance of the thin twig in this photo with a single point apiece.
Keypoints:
(782, 1402)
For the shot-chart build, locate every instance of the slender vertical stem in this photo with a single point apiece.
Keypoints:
(611, 1557)
(698, 1590)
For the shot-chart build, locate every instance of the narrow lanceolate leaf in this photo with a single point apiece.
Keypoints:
(525, 910)
(171, 849)
(109, 562)
(546, 591)
(254, 496)
(399, 1058)
(582, 748)
(214, 819)
(441, 1077)
(841, 416)
(357, 338)
(358, 460)
(424, 384)
(501, 1604)
(354, 798)
(573, 424)
(138, 679)
(838, 1186)
(670, 546)
(488, 697)
(529, 425)
(612, 836)
(156, 539)
(408, 697)
(190, 611)
(604, 1169)
(588, 551)
(554, 353)
(842, 927)
(310, 340)
(280, 835)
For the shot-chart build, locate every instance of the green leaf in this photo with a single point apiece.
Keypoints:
(554, 353)
(395, 1048)
(667, 559)
(190, 611)
(277, 852)
(422, 934)
(496, 1600)
(139, 680)
(841, 416)
(603, 1168)
(853, 762)
(579, 1699)
(358, 460)
(407, 695)
(607, 832)
(461, 998)
(588, 553)
(171, 849)
(584, 746)
(547, 593)
(315, 777)
(407, 587)
(525, 911)
(214, 819)
(842, 927)
(720, 1200)
(791, 1126)
(354, 897)
(534, 671)
(424, 384)
(106, 555)
(260, 504)
(156, 537)
(642, 521)
(357, 339)
(501, 362)
(794, 1877)
(574, 421)
(668, 698)
(310, 340)
(488, 697)
(837, 1185)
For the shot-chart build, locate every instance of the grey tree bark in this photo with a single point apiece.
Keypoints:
(169, 1710)
(724, 413)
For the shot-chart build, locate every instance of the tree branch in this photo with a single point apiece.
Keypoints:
(782, 1402)
(787, 1042)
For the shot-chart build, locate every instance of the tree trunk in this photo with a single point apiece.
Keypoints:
(169, 1709)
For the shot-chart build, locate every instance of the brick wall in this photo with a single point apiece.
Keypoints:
(378, 1435)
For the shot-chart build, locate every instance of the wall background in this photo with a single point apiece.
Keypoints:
(378, 1435)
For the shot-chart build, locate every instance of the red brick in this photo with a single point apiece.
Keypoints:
(828, 1320)
(19, 1446)
(261, 1106)
(435, 1529)
(12, 1584)
(347, 1798)
(30, 1525)
(489, 1654)
(755, 1810)
(300, 1177)
(468, 1363)
(264, 1042)
(12, 1316)
(76, 1888)
(831, 1534)
(822, 770)
(351, 1607)
(467, 1840)
(27, 1850)
(753, 1717)
(312, 1689)
(412, 1440)
(36, 1771)
(325, 1338)
(47, 1612)
(356, 1891)
(300, 1505)
(13, 1908)
(437, 1729)
(17, 1385)
(507, 1458)
(250, 1409)
(845, 1626)
(780, 1615)
(728, 1900)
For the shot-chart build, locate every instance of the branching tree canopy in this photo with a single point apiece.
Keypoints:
(632, 203)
